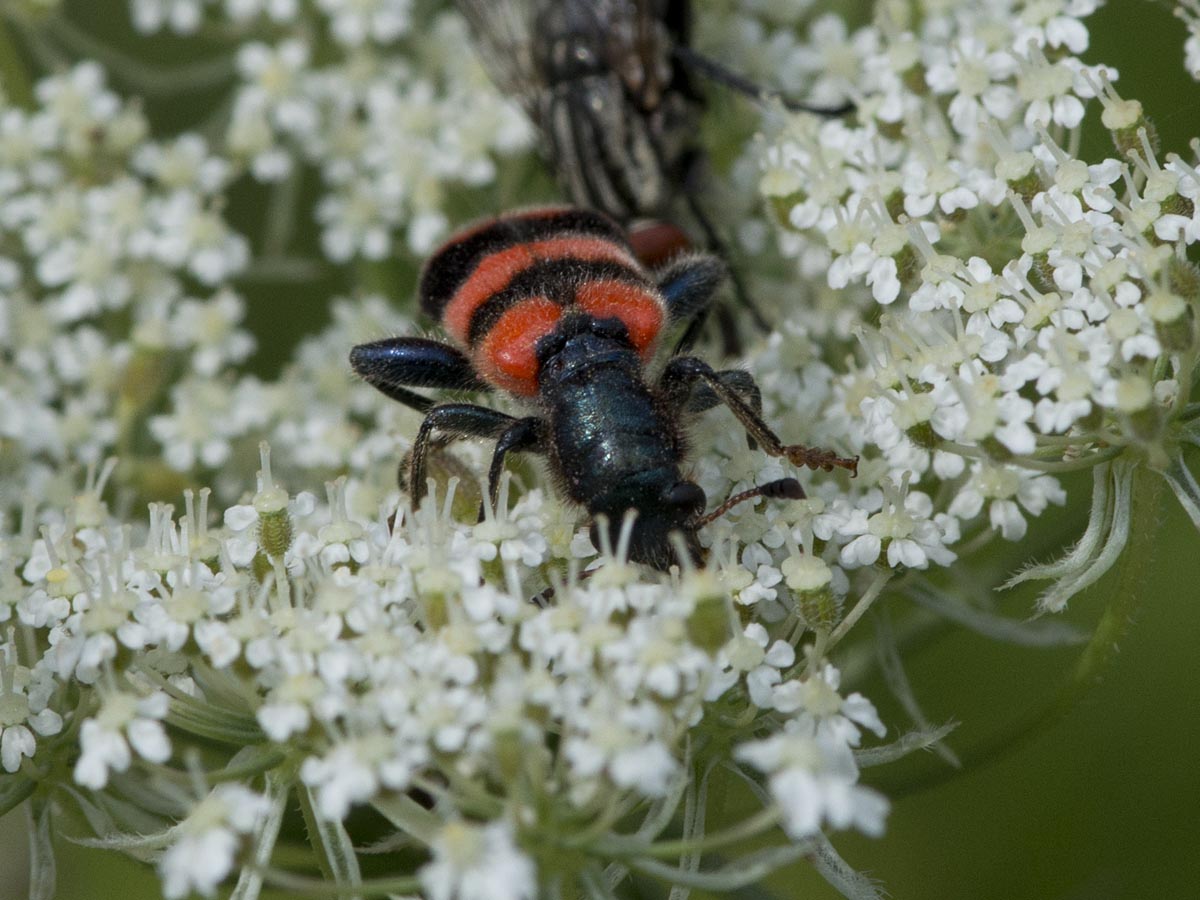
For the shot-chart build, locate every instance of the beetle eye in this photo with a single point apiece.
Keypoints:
(686, 496)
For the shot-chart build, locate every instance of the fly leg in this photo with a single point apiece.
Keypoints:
(718, 72)
(730, 342)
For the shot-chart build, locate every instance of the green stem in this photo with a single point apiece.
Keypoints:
(334, 851)
(1126, 595)
(14, 77)
(755, 826)
(267, 762)
(856, 612)
(408, 816)
(250, 879)
(146, 79)
(301, 885)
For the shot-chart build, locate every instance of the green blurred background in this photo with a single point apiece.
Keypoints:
(1102, 805)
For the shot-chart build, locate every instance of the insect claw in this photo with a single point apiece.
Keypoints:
(818, 458)
(543, 599)
(783, 489)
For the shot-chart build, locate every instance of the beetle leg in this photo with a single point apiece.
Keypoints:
(393, 365)
(687, 284)
(682, 372)
(703, 398)
(457, 420)
(522, 434)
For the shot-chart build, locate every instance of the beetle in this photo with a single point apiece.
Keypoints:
(609, 85)
(550, 305)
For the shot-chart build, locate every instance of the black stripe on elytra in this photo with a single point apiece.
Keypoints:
(449, 268)
(554, 279)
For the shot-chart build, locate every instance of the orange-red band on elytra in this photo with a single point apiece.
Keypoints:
(640, 310)
(495, 271)
(508, 357)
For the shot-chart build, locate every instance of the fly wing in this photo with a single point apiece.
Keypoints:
(503, 31)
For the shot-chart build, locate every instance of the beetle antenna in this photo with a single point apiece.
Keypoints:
(782, 489)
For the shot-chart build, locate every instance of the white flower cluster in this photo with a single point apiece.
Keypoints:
(386, 661)
(985, 311)
(114, 258)
(384, 103)
(351, 22)
(387, 136)
(1066, 339)
(1189, 11)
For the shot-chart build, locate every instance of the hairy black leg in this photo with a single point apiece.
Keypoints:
(683, 372)
(458, 420)
(522, 434)
(688, 284)
(715, 71)
(731, 343)
(393, 365)
(704, 398)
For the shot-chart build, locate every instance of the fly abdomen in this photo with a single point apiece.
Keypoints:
(606, 155)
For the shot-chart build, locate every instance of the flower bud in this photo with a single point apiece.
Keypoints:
(810, 577)
(708, 625)
(271, 504)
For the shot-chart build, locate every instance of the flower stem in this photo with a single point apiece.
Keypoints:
(250, 879)
(146, 79)
(754, 826)
(15, 81)
(331, 842)
(304, 886)
(859, 608)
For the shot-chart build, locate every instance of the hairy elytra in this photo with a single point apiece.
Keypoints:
(504, 284)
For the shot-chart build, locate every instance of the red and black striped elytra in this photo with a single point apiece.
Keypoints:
(552, 306)
(501, 287)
